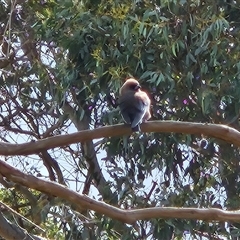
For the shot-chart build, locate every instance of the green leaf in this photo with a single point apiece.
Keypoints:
(141, 28)
(174, 49)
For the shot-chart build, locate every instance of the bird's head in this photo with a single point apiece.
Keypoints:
(130, 85)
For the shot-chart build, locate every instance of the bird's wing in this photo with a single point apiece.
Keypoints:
(133, 107)
(142, 103)
(126, 105)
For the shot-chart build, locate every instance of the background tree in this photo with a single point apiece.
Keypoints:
(61, 64)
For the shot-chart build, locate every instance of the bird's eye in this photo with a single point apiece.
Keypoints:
(133, 87)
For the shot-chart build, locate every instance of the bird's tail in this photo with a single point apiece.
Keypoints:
(136, 128)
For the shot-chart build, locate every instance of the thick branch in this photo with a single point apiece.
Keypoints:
(223, 132)
(12, 231)
(126, 216)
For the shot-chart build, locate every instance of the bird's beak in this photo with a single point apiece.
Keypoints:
(137, 87)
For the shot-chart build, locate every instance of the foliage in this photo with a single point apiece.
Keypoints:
(61, 64)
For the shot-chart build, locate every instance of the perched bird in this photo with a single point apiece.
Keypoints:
(134, 104)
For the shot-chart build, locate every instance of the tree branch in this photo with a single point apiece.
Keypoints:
(12, 231)
(21, 216)
(222, 132)
(125, 216)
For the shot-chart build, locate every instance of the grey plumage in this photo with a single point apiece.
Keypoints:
(134, 104)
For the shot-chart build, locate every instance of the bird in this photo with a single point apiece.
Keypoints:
(134, 104)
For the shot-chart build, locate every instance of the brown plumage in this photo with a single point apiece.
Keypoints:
(134, 104)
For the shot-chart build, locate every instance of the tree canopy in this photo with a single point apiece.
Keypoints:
(68, 169)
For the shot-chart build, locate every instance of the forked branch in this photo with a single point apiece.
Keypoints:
(125, 216)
